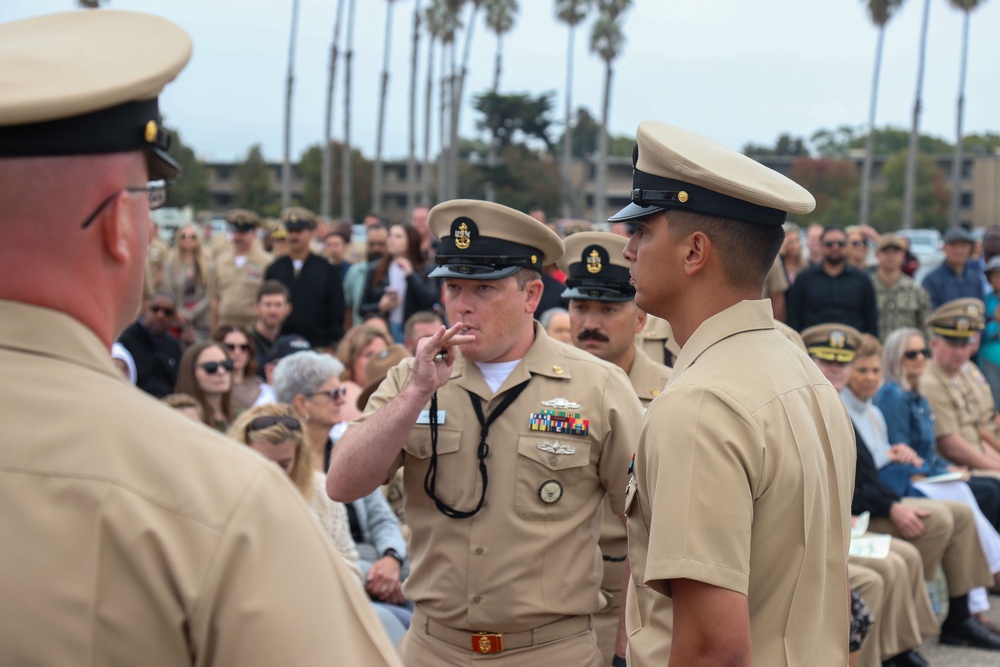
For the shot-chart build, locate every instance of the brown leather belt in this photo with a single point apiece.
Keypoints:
(495, 642)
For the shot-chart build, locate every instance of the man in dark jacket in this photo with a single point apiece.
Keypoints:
(833, 291)
(315, 284)
(156, 353)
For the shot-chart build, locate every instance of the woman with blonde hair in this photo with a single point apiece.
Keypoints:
(185, 276)
(359, 344)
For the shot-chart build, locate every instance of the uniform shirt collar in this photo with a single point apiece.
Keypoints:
(50, 333)
(738, 318)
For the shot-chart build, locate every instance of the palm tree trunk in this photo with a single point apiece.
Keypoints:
(383, 95)
(326, 177)
(411, 162)
(446, 85)
(568, 210)
(601, 194)
(425, 177)
(910, 192)
(456, 102)
(286, 165)
(866, 173)
(491, 159)
(347, 163)
(956, 167)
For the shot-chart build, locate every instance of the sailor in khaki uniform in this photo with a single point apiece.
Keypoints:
(739, 505)
(130, 534)
(238, 272)
(957, 405)
(509, 442)
(604, 321)
(657, 340)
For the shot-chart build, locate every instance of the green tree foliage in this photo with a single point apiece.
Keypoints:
(891, 140)
(836, 143)
(785, 145)
(932, 195)
(523, 178)
(191, 189)
(981, 144)
(516, 117)
(311, 168)
(834, 184)
(584, 137)
(257, 191)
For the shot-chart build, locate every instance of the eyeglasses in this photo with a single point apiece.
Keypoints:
(188, 237)
(831, 244)
(156, 196)
(856, 243)
(260, 423)
(242, 347)
(212, 367)
(166, 310)
(337, 394)
(913, 354)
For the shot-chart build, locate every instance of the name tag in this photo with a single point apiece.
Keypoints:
(425, 417)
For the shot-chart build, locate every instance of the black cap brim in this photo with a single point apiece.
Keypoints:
(635, 212)
(161, 166)
(606, 295)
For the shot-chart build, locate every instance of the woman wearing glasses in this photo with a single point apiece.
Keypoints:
(185, 275)
(310, 381)
(206, 373)
(246, 382)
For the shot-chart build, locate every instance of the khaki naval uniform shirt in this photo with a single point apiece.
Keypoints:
(955, 405)
(648, 379)
(743, 480)
(521, 562)
(236, 287)
(132, 535)
(655, 337)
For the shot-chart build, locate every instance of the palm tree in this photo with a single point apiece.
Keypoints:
(458, 88)
(956, 167)
(436, 25)
(346, 163)
(326, 177)
(500, 16)
(880, 12)
(607, 41)
(90, 4)
(380, 123)
(411, 162)
(910, 188)
(570, 12)
(286, 165)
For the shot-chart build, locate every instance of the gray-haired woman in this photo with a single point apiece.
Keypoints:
(311, 382)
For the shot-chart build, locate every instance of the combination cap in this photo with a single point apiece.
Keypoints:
(832, 342)
(960, 318)
(595, 268)
(677, 169)
(482, 240)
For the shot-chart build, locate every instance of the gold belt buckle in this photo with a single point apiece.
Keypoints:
(487, 642)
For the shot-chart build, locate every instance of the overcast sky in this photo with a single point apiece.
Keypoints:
(734, 70)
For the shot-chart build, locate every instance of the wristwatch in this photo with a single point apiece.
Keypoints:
(393, 554)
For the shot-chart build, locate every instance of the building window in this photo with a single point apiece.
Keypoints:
(967, 169)
(966, 200)
(222, 173)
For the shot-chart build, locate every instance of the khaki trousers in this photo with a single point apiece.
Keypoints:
(950, 540)
(418, 649)
(895, 590)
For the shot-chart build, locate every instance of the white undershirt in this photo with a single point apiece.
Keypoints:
(240, 260)
(496, 373)
(298, 264)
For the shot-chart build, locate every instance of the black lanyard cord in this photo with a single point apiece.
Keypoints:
(482, 452)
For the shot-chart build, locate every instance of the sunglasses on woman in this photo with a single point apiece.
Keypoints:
(913, 354)
(260, 423)
(242, 347)
(337, 394)
(212, 367)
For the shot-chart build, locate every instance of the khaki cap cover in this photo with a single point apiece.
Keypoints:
(72, 63)
(832, 342)
(495, 241)
(960, 318)
(595, 267)
(669, 158)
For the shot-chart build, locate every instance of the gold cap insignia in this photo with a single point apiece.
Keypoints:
(151, 131)
(594, 262)
(463, 238)
(837, 339)
(972, 310)
(682, 196)
(962, 323)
